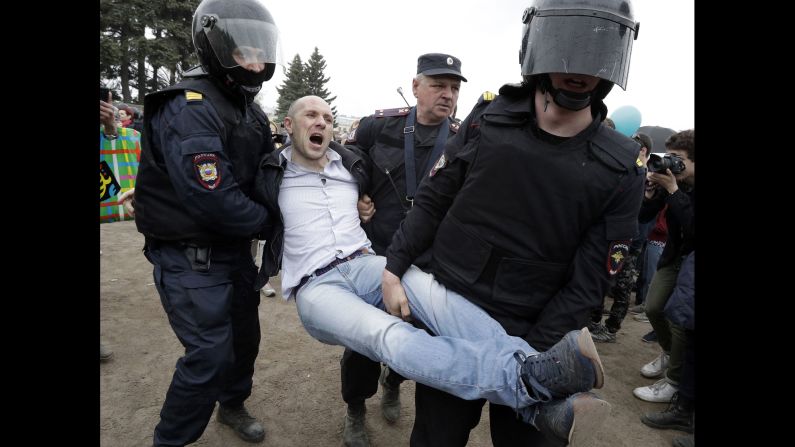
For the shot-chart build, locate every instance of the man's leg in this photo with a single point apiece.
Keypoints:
(359, 381)
(472, 357)
(245, 340)
(442, 419)
(197, 311)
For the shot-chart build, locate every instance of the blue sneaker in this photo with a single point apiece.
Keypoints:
(570, 366)
(651, 337)
(573, 421)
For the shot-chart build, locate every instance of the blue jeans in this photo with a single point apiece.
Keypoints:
(652, 256)
(472, 357)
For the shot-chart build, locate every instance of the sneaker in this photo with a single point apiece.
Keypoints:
(637, 310)
(660, 391)
(574, 420)
(267, 290)
(105, 354)
(603, 335)
(570, 366)
(651, 337)
(678, 416)
(354, 434)
(656, 367)
(390, 400)
(641, 317)
(246, 427)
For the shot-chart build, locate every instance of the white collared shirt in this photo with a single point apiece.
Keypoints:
(321, 221)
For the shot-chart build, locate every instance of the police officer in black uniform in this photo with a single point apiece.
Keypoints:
(203, 140)
(402, 144)
(530, 210)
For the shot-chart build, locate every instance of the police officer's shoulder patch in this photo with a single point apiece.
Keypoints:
(206, 166)
(192, 96)
(616, 255)
(487, 96)
(400, 111)
(351, 138)
(454, 126)
(441, 163)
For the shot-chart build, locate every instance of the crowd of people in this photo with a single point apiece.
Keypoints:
(433, 249)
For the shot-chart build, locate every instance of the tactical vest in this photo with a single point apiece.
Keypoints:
(246, 139)
(508, 239)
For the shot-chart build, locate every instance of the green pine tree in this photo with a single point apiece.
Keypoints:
(316, 81)
(293, 87)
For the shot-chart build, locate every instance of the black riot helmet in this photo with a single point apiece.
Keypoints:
(228, 34)
(590, 37)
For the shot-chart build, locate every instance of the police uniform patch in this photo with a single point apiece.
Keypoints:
(207, 170)
(193, 96)
(616, 255)
(439, 165)
(639, 163)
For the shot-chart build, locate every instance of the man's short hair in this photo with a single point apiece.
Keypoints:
(683, 141)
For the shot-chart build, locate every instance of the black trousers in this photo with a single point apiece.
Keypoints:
(213, 312)
(442, 419)
(359, 377)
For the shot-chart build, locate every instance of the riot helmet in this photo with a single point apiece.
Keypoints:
(229, 34)
(590, 37)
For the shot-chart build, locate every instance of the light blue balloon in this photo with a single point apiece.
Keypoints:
(626, 119)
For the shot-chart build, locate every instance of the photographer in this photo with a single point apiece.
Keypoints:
(672, 179)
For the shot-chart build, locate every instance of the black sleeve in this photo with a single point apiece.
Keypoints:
(680, 205)
(200, 171)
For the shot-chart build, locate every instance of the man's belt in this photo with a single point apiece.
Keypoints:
(331, 265)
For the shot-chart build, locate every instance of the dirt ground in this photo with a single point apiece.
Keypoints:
(296, 379)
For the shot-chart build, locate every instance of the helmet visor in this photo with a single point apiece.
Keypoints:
(579, 44)
(238, 42)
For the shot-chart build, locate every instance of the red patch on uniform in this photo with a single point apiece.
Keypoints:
(207, 170)
(616, 255)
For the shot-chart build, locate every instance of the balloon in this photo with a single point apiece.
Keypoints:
(626, 119)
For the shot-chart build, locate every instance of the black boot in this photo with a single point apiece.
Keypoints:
(678, 416)
(390, 400)
(354, 433)
(246, 427)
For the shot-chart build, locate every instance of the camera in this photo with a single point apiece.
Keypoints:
(659, 163)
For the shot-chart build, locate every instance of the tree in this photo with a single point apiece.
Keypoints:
(315, 80)
(302, 80)
(293, 87)
(142, 41)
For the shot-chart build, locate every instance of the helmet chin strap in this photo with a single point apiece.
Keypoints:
(564, 98)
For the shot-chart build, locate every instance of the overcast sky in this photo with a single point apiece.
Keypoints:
(371, 49)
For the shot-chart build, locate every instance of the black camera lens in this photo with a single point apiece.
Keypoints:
(673, 162)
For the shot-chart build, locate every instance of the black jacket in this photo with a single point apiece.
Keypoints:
(381, 138)
(200, 150)
(680, 218)
(266, 190)
(521, 227)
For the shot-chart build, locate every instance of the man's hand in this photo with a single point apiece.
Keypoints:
(395, 299)
(666, 180)
(126, 199)
(366, 209)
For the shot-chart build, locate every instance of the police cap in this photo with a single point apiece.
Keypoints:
(434, 64)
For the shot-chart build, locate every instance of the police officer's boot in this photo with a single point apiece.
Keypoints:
(679, 415)
(571, 366)
(354, 434)
(390, 400)
(246, 427)
(572, 421)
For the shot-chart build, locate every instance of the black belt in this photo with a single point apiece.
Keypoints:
(330, 266)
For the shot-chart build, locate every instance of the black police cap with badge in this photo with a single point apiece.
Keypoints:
(435, 64)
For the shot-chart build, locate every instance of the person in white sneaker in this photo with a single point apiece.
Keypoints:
(675, 177)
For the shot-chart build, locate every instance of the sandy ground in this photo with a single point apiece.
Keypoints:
(296, 380)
